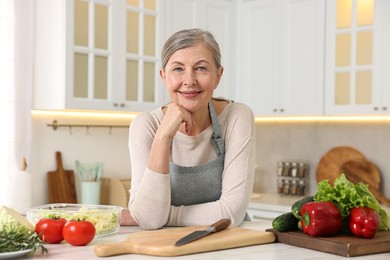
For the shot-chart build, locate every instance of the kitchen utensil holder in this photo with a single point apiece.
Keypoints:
(291, 178)
(90, 192)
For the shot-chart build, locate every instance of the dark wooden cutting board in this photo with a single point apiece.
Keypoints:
(61, 183)
(342, 244)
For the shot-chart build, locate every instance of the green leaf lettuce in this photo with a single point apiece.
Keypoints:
(346, 195)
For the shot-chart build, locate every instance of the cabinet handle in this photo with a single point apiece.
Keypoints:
(282, 110)
(275, 110)
(115, 104)
(376, 108)
(384, 108)
(122, 105)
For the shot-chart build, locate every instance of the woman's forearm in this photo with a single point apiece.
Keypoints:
(159, 155)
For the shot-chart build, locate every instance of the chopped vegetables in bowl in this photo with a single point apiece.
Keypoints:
(105, 218)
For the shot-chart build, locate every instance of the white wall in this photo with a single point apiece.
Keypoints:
(16, 58)
(97, 145)
(274, 142)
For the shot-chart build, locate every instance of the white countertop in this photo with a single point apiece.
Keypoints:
(266, 251)
(265, 202)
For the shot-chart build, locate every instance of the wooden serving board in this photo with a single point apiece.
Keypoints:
(61, 183)
(162, 242)
(343, 244)
(329, 166)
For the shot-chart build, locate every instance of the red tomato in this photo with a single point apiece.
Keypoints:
(50, 230)
(78, 233)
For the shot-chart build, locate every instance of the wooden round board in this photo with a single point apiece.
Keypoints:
(329, 166)
(359, 170)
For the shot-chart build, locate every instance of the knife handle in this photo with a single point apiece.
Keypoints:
(220, 224)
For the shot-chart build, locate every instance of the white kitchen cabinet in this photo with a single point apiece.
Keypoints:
(97, 55)
(216, 16)
(266, 207)
(281, 56)
(261, 215)
(357, 60)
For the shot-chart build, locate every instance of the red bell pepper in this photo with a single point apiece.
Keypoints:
(320, 218)
(363, 222)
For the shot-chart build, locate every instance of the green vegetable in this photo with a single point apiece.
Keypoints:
(296, 207)
(285, 222)
(16, 233)
(346, 195)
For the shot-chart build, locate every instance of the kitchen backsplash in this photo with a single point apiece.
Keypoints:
(275, 141)
(309, 141)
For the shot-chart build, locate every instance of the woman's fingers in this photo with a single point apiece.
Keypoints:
(174, 117)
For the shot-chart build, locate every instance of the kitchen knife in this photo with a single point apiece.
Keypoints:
(216, 227)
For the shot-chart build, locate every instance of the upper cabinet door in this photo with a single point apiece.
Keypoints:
(97, 55)
(281, 54)
(259, 55)
(356, 57)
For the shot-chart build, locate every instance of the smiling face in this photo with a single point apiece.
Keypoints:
(191, 76)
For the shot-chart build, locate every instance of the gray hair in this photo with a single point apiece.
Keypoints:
(187, 38)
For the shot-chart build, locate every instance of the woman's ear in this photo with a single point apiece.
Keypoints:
(219, 76)
(162, 74)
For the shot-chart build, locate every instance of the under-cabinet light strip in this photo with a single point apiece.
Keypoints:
(329, 119)
(74, 113)
(258, 119)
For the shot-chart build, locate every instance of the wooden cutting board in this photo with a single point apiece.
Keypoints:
(366, 172)
(344, 245)
(162, 242)
(330, 163)
(356, 167)
(61, 184)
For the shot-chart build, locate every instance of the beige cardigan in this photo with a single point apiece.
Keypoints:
(150, 203)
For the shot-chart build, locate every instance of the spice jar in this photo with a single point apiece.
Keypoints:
(280, 185)
(280, 168)
(293, 187)
(301, 188)
(286, 187)
(301, 170)
(294, 169)
(286, 169)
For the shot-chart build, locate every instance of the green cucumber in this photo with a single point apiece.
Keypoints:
(285, 222)
(296, 207)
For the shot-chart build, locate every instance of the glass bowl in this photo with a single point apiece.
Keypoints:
(106, 218)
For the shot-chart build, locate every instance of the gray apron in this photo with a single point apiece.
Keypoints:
(200, 184)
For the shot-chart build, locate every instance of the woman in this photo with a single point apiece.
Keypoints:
(193, 159)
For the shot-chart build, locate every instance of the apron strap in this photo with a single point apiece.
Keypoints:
(219, 143)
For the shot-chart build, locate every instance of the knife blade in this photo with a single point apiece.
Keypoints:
(216, 227)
